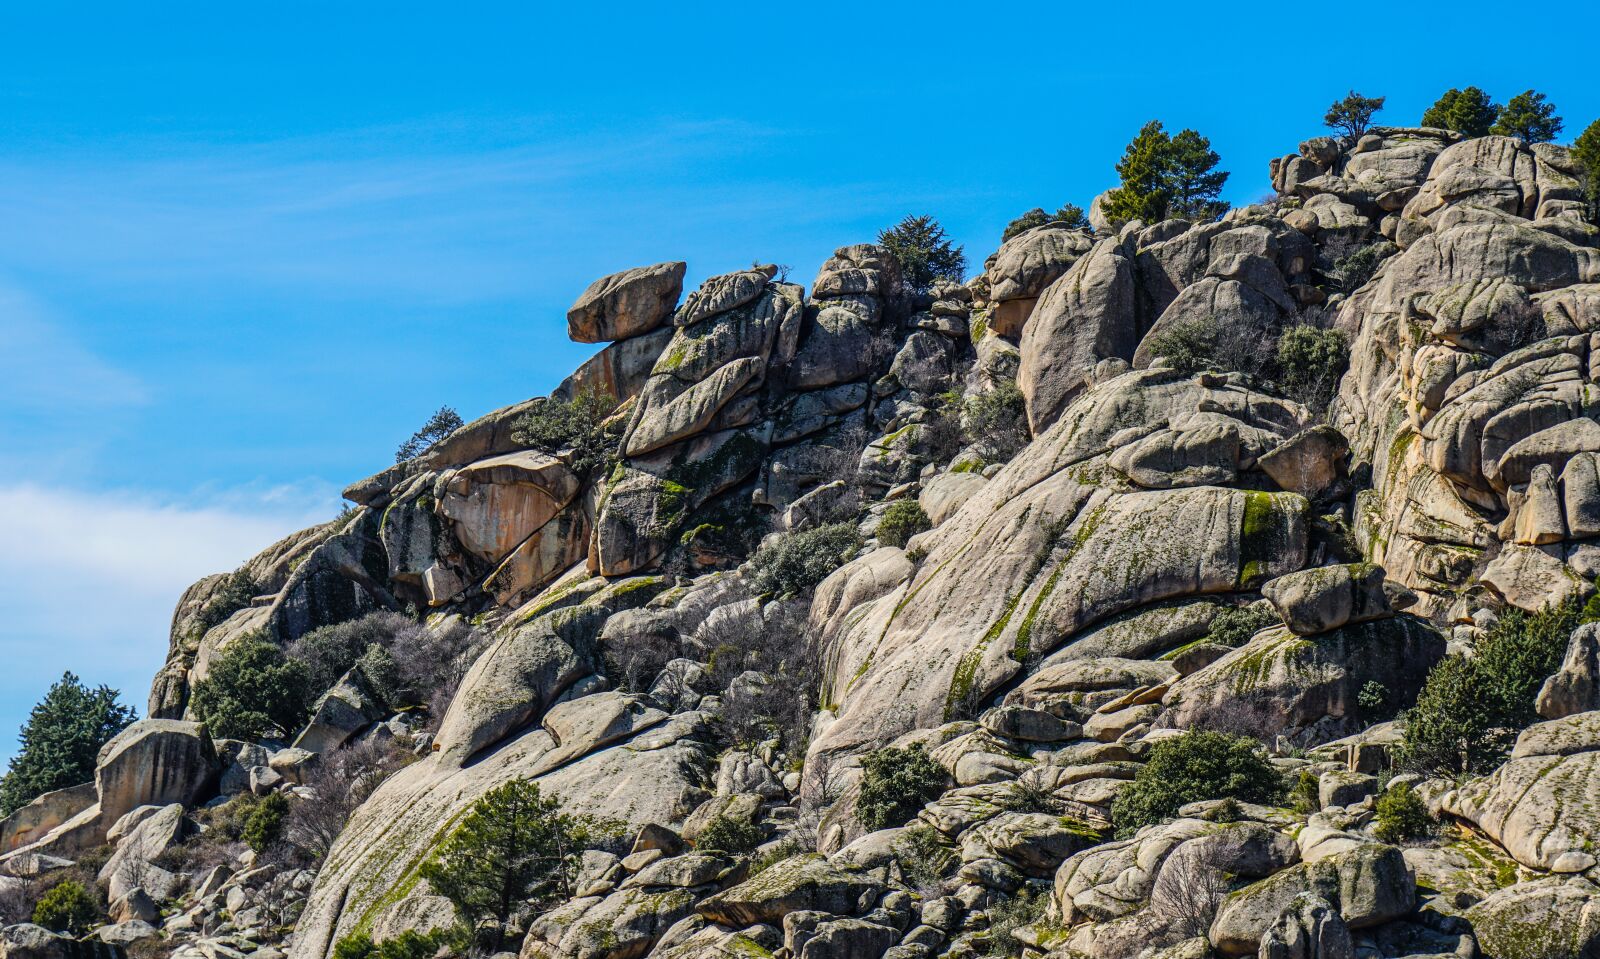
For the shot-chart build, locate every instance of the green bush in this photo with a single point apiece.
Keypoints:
(896, 785)
(1304, 796)
(996, 422)
(729, 834)
(60, 740)
(1190, 767)
(1374, 701)
(1401, 815)
(1007, 916)
(1470, 710)
(253, 690)
(231, 595)
(924, 252)
(1190, 346)
(1354, 269)
(330, 651)
(1310, 361)
(68, 907)
(902, 520)
(265, 825)
(442, 423)
(1234, 625)
(573, 429)
(794, 563)
(1070, 215)
(1586, 153)
(408, 945)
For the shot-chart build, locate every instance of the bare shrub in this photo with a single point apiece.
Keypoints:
(410, 663)
(774, 642)
(17, 898)
(1189, 890)
(1239, 717)
(342, 781)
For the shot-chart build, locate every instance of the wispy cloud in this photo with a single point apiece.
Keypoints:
(43, 366)
(88, 579)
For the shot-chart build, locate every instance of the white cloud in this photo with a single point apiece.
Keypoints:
(88, 580)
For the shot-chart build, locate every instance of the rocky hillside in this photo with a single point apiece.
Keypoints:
(1198, 510)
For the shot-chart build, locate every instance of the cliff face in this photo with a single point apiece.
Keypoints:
(1052, 625)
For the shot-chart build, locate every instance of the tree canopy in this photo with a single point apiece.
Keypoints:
(1469, 111)
(253, 690)
(60, 740)
(1352, 115)
(1586, 150)
(925, 252)
(1528, 115)
(1167, 176)
(513, 845)
(442, 423)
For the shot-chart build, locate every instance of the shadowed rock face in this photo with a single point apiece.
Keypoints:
(1062, 614)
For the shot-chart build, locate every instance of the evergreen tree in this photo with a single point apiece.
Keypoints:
(60, 740)
(1530, 116)
(1143, 194)
(925, 252)
(513, 845)
(1586, 150)
(253, 690)
(1194, 182)
(1468, 111)
(1352, 115)
(1167, 176)
(442, 423)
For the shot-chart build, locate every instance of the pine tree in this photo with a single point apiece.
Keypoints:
(442, 423)
(1468, 111)
(1194, 182)
(513, 845)
(925, 252)
(60, 740)
(1352, 115)
(1530, 116)
(1144, 193)
(1586, 150)
(1167, 176)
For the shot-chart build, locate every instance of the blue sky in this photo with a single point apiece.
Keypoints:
(244, 252)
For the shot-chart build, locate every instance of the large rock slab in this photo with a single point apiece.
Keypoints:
(154, 762)
(626, 304)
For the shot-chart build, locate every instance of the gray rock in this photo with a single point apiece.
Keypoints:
(154, 762)
(1309, 929)
(626, 304)
(1575, 687)
(1319, 600)
(807, 882)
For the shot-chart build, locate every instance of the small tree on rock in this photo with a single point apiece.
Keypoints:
(1352, 115)
(1586, 150)
(925, 252)
(1190, 767)
(60, 740)
(1143, 193)
(1165, 176)
(1194, 180)
(1468, 111)
(897, 783)
(514, 845)
(442, 423)
(1530, 116)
